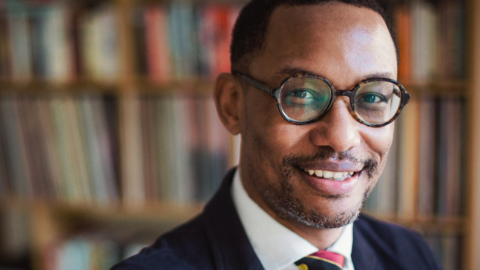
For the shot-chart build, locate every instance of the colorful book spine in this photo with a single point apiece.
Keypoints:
(431, 41)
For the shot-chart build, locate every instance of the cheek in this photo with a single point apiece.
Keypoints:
(378, 142)
(266, 134)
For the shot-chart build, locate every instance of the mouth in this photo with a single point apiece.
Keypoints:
(329, 175)
(331, 183)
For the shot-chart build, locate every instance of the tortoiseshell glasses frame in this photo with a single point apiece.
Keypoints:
(276, 92)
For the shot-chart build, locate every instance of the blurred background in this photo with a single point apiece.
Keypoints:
(109, 135)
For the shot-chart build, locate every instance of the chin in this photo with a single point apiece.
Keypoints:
(294, 201)
(324, 214)
(322, 217)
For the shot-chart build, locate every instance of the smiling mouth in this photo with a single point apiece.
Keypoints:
(329, 175)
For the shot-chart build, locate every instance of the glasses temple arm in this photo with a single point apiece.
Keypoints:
(255, 83)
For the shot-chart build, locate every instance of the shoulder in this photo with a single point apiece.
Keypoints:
(381, 230)
(186, 247)
(394, 244)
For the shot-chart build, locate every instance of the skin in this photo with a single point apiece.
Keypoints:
(344, 44)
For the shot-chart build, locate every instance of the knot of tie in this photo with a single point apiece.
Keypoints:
(321, 260)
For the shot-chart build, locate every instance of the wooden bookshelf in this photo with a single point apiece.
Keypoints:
(46, 87)
(472, 241)
(53, 220)
(438, 89)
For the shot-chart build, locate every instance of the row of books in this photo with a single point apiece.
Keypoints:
(65, 148)
(424, 175)
(447, 247)
(58, 147)
(432, 40)
(55, 42)
(50, 41)
(178, 148)
(83, 252)
(182, 40)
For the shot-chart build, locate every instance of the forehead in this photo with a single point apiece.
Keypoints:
(329, 40)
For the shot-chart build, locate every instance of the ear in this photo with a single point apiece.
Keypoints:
(228, 99)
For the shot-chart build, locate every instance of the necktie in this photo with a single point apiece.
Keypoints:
(321, 260)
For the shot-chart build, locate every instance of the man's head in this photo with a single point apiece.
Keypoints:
(249, 34)
(344, 43)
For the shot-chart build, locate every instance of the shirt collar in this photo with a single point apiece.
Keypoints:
(266, 235)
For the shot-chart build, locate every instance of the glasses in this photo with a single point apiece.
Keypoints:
(303, 99)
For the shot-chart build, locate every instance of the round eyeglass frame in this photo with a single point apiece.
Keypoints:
(275, 93)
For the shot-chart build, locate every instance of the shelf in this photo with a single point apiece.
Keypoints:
(141, 85)
(174, 213)
(191, 85)
(164, 2)
(432, 223)
(48, 87)
(454, 88)
(162, 211)
(123, 224)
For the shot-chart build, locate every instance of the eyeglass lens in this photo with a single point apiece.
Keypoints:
(304, 98)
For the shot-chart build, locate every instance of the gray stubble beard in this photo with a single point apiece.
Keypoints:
(286, 206)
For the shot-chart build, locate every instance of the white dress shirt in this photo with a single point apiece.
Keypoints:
(276, 246)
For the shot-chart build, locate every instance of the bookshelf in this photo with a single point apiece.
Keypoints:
(130, 93)
(472, 243)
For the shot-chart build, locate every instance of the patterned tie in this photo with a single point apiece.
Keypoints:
(321, 260)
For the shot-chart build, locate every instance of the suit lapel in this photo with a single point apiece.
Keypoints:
(229, 242)
(363, 256)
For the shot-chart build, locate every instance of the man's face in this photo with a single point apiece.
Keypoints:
(344, 44)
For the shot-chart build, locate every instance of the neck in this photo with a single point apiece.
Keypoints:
(321, 238)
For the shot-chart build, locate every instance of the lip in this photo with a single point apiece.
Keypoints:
(331, 187)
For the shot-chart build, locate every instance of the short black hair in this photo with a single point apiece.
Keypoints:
(250, 28)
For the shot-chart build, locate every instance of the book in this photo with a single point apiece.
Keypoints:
(100, 43)
(157, 45)
(14, 147)
(46, 132)
(408, 161)
(4, 178)
(404, 35)
(427, 176)
(19, 41)
(449, 161)
(148, 148)
(82, 252)
(59, 48)
(140, 40)
(4, 48)
(92, 143)
(131, 144)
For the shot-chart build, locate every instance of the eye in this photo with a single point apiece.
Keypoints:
(371, 98)
(303, 94)
(301, 97)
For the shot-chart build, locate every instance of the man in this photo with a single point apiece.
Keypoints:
(311, 151)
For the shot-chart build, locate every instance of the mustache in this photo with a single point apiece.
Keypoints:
(370, 166)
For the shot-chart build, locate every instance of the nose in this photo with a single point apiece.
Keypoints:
(337, 129)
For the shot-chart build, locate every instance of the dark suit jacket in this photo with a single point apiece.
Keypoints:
(216, 239)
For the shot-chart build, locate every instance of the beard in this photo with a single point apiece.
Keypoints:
(281, 199)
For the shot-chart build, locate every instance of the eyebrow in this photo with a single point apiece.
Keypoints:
(289, 70)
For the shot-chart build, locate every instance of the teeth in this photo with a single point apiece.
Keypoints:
(327, 174)
(337, 176)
